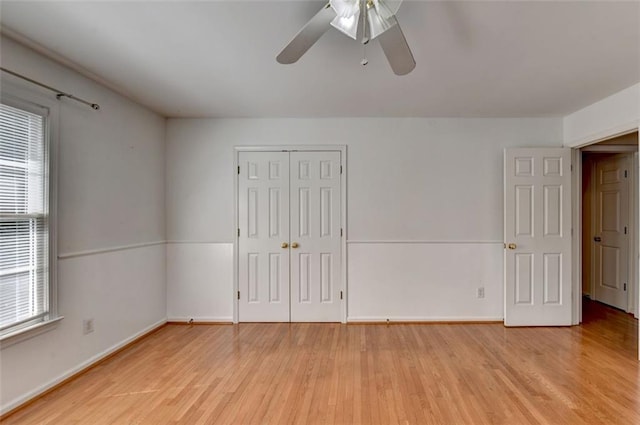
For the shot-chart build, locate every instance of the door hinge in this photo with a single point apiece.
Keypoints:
(340, 294)
(571, 167)
(238, 232)
(341, 232)
(341, 169)
(625, 230)
(238, 294)
(625, 286)
(238, 169)
(625, 174)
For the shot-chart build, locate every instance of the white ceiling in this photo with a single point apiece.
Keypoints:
(217, 58)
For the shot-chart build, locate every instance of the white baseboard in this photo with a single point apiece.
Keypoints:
(452, 319)
(220, 319)
(81, 367)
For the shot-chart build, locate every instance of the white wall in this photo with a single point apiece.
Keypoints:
(111, 228)
(606, 118)
(424, 210)
(200, 275)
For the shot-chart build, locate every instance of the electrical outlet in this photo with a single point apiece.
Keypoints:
(480, 293)
(87, 326)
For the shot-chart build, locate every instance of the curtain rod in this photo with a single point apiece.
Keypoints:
(59, 93)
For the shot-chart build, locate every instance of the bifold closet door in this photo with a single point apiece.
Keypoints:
(263, 221)
(289, 246)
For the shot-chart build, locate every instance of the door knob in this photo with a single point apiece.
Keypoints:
(512, 246)
(285, 245)
(294, 245)
(597, 239)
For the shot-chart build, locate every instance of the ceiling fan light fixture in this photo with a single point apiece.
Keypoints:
(378, 21)
(380, 15)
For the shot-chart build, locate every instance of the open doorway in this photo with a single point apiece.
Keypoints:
(609, 242)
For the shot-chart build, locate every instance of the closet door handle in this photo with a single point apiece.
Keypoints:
(597, 239)
(284, 245)
(294, 245)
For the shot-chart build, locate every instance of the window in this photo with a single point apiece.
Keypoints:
(27, 262)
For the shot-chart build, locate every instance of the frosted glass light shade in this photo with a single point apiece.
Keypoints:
(380, 15)
(378, 24)
(345, 8)
(348, 26)
(348, 12)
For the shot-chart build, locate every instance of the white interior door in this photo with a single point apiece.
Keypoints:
(315, 237)
(263, 241)
(289, 243)
(537, 214)
(611, 240)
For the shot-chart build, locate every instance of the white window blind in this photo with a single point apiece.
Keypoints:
(24, 219)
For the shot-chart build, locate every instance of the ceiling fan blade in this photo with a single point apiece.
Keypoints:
(307, 36)
(396, 49)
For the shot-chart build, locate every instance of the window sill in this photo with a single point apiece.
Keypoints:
(27, 333)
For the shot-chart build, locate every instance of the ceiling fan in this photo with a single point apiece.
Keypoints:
(374, 18)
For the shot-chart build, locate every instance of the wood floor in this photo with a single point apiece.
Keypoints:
(362, 374)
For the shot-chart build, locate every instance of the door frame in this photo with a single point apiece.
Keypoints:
(343, 212)
(633, 300)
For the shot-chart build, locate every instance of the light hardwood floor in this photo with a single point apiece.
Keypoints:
(361, 374)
